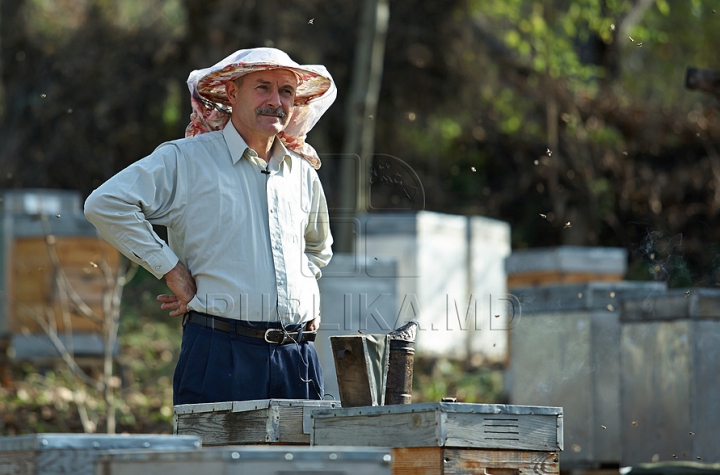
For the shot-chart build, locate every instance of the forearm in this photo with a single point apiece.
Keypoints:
(123, 208)
(124, 226)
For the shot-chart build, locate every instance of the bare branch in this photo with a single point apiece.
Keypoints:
(64, 282)
(633, 17)
(61, 348)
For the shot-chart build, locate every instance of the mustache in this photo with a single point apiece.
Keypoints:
(279, 112)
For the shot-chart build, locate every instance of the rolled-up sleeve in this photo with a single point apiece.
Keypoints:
(123, 209)
(318, 240)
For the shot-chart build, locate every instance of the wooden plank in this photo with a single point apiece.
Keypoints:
(502, 431)
(291, 426)
(17, 463)
(32, 284)
(705, 412)
(499, 462)
(77, 462)
(351, 366)
(546, 349)
(267, 421)
(540, 278)
(657, 392)
(163, 465)
(419, 429)
(417, 461)
(605, 380)
(226, 428)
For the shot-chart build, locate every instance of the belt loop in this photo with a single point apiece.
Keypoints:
(185, 318)
(212, 321)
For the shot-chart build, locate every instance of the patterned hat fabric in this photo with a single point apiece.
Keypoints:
(314, 94)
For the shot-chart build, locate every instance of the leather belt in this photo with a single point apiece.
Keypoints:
(277, 336)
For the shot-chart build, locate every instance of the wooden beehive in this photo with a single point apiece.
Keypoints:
(444, 438)
(49, 247)
(440, 424)
(669, 363)
(565, 351)
(265, 421)
(442, 260)
(51, 454)
(565, 265)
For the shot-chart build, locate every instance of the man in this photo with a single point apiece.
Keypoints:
(247, 228)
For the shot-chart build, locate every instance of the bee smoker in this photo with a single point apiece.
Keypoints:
(400, 366)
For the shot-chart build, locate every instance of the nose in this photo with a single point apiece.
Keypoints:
(273, 99)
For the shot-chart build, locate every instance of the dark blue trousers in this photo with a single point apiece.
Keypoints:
(216, 366)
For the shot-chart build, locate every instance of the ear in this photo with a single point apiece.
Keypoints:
(231, 90)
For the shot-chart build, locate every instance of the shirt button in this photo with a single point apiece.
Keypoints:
(157, 267)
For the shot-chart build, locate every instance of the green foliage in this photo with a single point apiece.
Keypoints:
(657, 68)
(544, 36)
(436, 378)
(51, 23)
(173, 106)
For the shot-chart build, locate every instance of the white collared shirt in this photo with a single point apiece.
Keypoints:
(253, 241)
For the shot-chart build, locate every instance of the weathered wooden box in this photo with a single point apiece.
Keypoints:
(265, 421)
(37, 226)
(56, 454)
(273, 460)
(449, 425)
(447, 461)
(565, 351)
(670, 362)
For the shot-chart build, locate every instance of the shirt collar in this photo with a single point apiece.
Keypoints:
(281, 152)
(238, 146)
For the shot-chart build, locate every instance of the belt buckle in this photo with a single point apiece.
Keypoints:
(267, 333)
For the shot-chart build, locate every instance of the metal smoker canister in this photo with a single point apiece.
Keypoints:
(400, 366)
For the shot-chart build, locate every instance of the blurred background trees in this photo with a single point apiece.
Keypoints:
(572, 110)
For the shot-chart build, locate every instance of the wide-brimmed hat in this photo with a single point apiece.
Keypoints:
(314, 94)
(211, 85)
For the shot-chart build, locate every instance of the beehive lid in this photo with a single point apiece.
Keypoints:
(255, 405)
(488, 426)
(598, 260)
(95, 441)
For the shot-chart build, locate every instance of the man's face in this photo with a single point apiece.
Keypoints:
(263, 101)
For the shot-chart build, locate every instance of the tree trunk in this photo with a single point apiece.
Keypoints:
(360, 114)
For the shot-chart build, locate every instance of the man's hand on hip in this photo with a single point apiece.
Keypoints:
(313, 325)
(183, 287)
